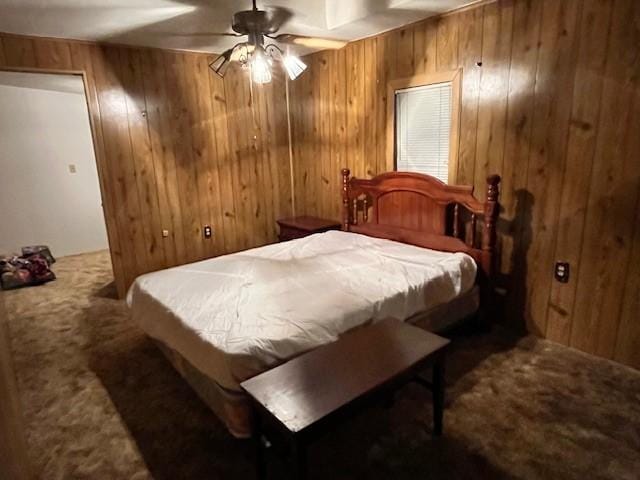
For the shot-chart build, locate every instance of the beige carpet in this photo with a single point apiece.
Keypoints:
(101, 402)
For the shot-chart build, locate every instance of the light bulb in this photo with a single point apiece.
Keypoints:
(260, 70)
(294, 66)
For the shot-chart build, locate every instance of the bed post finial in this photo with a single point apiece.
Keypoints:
(491, 212)
(345, 199)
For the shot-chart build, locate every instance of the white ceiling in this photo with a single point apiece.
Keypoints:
(169, 23)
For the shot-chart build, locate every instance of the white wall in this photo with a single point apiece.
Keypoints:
(44, 128)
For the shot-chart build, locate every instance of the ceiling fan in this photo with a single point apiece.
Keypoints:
(259, 26)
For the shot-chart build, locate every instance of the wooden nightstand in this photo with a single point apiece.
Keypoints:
(298, 227)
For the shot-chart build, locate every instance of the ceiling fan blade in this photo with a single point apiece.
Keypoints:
(276, 17)
(311, 42)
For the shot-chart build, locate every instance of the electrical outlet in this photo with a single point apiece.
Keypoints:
(207, 231)
(562, 272)
(72, 168)
(165, 233)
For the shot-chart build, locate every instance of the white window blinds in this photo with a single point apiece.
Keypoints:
(423, 128)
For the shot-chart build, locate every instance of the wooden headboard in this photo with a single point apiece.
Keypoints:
(423, 211)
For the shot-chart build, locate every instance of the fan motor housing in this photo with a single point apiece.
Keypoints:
(252, 21)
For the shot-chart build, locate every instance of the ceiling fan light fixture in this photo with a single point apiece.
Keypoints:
(293, 65)
(260, 68)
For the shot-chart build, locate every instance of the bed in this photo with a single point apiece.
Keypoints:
(407, 249)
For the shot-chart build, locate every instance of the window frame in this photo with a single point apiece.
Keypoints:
(422, 80)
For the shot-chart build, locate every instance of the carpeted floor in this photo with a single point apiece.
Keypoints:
(101, 402)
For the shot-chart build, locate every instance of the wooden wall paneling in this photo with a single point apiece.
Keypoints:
(330, 166)
(303, 106)
(323, 107)
(19, 52)
(121, 173)
(447, 43)
(470, 53)
(81, 57)
(338, 118)
(144, 172)
(419, 62)
(385, 49)
(316, 188)
(305, 109)
(370, 105)
(204, 152)
(514, 229)
(430, 45)
(390, 74)
(628, 342)
(494, 88)
(256, 196)
(241, 129)
(266, 175)
(587, 92)
(53, 54)
(200, 153)
(298, 148)
(355, 108)
(159, 117)
(405, 51)
(553, 92)
(270, 120)
(282, 136)
(608, 233)
(185, 168)
(276, 147)
(280, 144)
(233, 104)
(314, 181)
(224, 159)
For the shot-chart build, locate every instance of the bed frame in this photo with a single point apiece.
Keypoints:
(421, 210)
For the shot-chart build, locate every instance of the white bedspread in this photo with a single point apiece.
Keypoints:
(237, 315)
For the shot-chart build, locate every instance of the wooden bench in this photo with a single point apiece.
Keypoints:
(304, 397)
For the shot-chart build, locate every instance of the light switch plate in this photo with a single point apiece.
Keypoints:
(165, 233)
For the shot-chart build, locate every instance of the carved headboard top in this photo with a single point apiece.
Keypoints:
(421, 210)
(420, 184)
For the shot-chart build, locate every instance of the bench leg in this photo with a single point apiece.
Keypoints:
(438, 396)
(299, 459)
(261, 466)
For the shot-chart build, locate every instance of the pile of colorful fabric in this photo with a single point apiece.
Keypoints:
(30, 268)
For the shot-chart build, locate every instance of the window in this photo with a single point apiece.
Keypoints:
(425, 125)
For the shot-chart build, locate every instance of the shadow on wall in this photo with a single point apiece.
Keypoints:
(515, 313)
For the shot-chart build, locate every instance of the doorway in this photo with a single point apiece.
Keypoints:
(49, 187)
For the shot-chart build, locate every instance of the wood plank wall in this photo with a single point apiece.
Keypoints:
(177, 148)
(554, 109)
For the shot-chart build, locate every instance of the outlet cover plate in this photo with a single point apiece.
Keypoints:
(562, 272)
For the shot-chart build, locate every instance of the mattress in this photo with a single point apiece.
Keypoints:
(235, 316)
